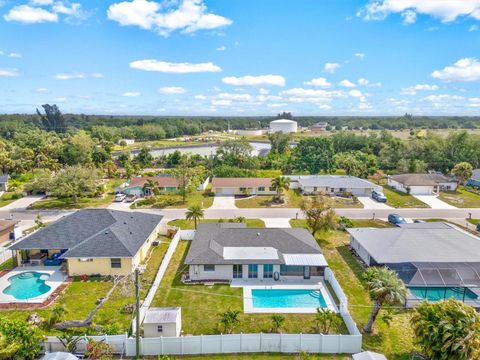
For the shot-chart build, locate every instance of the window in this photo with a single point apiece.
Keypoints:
(159, 328)
(208, 268)
(243, 189)
(272, 188)
(261, 188)
(287, 270)
(316, 271)
(116, 263)
(252, 271)
(237, 271)
(267, 271)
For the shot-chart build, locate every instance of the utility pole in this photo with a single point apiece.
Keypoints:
(137, 316)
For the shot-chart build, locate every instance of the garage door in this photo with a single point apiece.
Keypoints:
(226, 191)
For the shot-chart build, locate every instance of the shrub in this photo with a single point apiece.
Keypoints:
(345, 222)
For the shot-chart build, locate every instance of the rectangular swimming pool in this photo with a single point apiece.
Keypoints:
(287, 298)
(441, 293)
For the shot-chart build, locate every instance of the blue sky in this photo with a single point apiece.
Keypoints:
(241, 57)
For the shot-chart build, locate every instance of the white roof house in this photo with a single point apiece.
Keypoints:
(333, 184)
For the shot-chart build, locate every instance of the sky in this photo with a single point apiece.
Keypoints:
(241, 57)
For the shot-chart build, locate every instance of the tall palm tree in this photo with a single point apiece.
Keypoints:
(384, 287)
(280, 183)
(194, 213)
(152, 185)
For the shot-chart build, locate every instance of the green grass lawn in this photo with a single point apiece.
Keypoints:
(175, 201)
(461, 198)
(201, 304)
(83, 202)
(394, 340)
(7, 264)
(188, 224)
(293, 200)
(402, 200)
(9, 197)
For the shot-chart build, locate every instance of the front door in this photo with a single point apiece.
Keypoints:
(237, 271)
(306, 272)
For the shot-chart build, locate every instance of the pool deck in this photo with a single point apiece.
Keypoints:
(55, 280)
(305, 285)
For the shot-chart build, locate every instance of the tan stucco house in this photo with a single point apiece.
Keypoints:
(91, 242)
(242, 186)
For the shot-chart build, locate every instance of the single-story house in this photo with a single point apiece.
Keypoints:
(126, 141)
(9, 230)
(435, 260)
(475, 179)
(92, 241)
(227, 251)
(242, 186)
(166, 321)
(320, 126)
(4, 182)
(422, 184)
(136, 186)
(332, 184)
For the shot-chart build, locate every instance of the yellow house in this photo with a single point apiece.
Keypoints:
(92, 242)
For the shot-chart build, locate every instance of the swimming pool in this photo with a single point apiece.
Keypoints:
(287, 298)
(441, 293)
(27, 285)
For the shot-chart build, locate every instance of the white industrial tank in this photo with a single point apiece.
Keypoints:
(283, 125)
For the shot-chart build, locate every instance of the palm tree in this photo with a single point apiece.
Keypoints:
(326, 320)
(152, 185)
(194, 213)
(384, 287)
(280, 183)
(277, 322)
(229, 319)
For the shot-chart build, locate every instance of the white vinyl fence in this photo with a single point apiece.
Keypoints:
(117, 342)
(4, 254)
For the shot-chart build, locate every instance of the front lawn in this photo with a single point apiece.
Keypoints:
(9, 197)
(201, 304)
(189, 225)
(400, 199)
(461, 198)
(394, 340)
(175, 201)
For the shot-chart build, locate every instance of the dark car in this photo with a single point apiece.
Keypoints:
(131, 198)
(396, 219)
(478, 227)
(379, 196)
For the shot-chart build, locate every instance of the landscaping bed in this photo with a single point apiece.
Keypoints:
(461, 198)
(400, 199)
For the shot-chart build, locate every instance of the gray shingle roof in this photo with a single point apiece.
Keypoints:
(421, 179)
(427, 242)
(210, 239)
(335, 181)
(94, 233)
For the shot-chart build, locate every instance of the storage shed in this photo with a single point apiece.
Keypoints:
(166, 321)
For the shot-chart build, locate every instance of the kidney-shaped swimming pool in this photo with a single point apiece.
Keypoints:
(27, 285)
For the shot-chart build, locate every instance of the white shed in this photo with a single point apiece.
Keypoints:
(369, 355)
(165, 321)
(284, 126)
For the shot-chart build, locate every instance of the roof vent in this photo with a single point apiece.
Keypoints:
(125, 223)
(258, 234)
(106, 232)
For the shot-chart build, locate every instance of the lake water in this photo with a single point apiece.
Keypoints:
(259, 148)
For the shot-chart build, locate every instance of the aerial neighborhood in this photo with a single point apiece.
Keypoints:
(239, 180)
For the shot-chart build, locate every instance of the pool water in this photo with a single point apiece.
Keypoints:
(440, 293)
(27, 285)
(287, 298)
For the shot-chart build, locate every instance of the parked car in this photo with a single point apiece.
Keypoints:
(478, 227)
(120, 197)
(396, 219)
(379, 196)
(418, 221)
(131, 198)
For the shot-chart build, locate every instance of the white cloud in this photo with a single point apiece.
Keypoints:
(41, 2)
(9, 73)
(314, 96)
(251, 80)
(263, 91)
(412, 90)
(466, 69)
(77, 75)
(442, 98)
(320, 82)
(171, 90)
(221, 48)
(445, 10)
(221, 102)
(14, 55)
(366, 82)
(331, 67)
(60, 99)
(360, 56)
(347, 83)
(30, 15)
(188, 16)
(355, 93)
(41, 90)
(200, 97)
(169, 67)
(473, 28)
(131, 94)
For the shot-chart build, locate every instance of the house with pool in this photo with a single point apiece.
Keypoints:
(435, 260)
(279, 269)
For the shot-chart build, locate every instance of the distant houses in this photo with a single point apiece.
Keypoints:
(319, 127)
(422, 184)
(332, 185)
(475, 179)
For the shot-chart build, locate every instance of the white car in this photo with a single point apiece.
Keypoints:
(120, 197)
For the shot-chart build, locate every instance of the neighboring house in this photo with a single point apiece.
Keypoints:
(92, 241)
(332, 184)
(435, 260)
(165, 321)
(126, 141)
(475, 179)
(8, 230)
(320, 126)
(422, 184)
(228, 251)
(3, 182)
(242, 186)
(165, 184)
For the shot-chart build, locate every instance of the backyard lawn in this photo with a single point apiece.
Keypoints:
(402, 200)
(461, 198)
(394, 340)
(188, 224)
(293, 200)
(201, 304)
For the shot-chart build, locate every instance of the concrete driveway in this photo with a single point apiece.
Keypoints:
(434, 202)
(223, 202)
(23, 203)
(277, 222)
(369, 203)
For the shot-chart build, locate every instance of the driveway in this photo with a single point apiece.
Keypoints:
(369, 203)
(122, 206)
(277, 222)
(22, 203)
(434, 202)
(223, 202)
